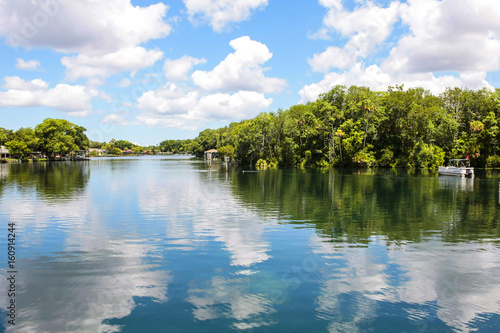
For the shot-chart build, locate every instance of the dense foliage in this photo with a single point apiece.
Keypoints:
(52, 137)
(176, 146)
(116, 147)
(359, 127)
(344, 127)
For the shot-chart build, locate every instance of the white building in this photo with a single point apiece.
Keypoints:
(4, 152)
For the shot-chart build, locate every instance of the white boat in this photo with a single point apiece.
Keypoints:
(457, 167)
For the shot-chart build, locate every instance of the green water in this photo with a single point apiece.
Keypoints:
(172, 244)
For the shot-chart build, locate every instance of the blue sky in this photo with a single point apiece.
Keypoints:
(147, 71)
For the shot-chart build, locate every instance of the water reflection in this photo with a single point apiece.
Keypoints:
(196, 206)
(380, 237)
(77, 291)
(74, 271)
(52, 181)
(358, 204)
(426, 286)
(351, 284)
(197, 247)
(459, 183)
(463, 280)
(231, 298)
(4, 171)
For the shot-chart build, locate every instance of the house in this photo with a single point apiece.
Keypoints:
(36, 155)
(211, 154)
(4, 152)
(96, 151)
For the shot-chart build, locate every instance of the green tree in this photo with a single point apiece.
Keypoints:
(96, 144)
(207, 139)
(6, 135)
(115, 151)
(137, 149)
(124, 144)
(59, 136)
(357, 126)
(227, 150)
(22, 142)
(3, 138)
(426, 156)
(17, 147)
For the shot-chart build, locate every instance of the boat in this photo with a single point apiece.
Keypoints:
(457, 167)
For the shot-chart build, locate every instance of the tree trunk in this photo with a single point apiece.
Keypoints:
(331, 146)
(366, 130)
(333, 141)
(341, 162)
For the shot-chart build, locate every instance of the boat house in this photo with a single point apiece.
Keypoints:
(211, 154)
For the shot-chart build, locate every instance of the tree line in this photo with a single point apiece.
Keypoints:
(359, 127)
(59, 137)
(53, 137)
(352, 126)
(116, 147)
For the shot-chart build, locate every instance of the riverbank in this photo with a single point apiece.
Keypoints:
(9, 160)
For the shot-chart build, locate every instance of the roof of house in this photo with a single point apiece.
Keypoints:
(211, 151)
(4, 150)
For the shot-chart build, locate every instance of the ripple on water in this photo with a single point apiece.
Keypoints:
(287, 250)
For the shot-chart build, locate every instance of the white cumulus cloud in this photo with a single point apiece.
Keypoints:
(457, 35)
(178, 69)
(376, 78)
(450, 43)
(83, 26)
(118, 118)
(241, 70)
(366, 27)
(74, 100)
(333, 57)
(233, 90)
(221, 13)
(168, 99)
(241, 105)
(100, 67)
(105, 35)
(30, 65)
(172, 106)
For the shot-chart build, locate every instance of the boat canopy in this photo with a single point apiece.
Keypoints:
(460, 162)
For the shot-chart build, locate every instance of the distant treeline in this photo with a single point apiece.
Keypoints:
(344, 127)
(115, 147)
(359, 127)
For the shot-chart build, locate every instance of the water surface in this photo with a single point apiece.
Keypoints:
(171, 244)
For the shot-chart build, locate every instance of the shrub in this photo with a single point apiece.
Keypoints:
(323, 163)
(387, 158)
(364, 158)
(261, 163)
(426, 156)
(307, 159)
(493, 161)
(274, 163)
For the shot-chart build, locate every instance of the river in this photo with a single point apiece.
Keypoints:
(172, 244)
